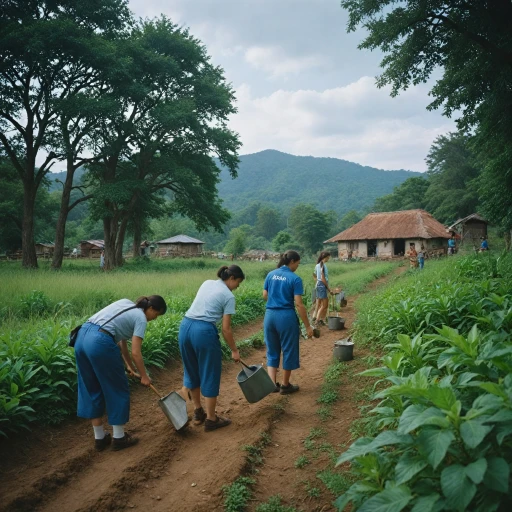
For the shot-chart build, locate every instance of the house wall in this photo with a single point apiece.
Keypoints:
(179, 249)
(358, 249)
(473, 230)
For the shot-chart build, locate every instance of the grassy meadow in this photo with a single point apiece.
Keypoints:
(39, 308)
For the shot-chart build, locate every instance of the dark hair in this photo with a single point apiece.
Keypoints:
(233, 271)
(154, 301)
(287, 257)
(323, 255)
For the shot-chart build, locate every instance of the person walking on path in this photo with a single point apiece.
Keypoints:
(413, 256)
(200, 344)
(321, 275)
(100, 349)
(283, 291)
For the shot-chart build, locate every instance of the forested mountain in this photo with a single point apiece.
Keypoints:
(285, 180)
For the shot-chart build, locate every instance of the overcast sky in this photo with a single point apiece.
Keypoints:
(302, 86)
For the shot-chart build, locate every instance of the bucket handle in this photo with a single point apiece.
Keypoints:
(248, 367)
(150, 386)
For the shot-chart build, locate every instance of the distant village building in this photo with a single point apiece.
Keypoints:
(389, 234)
(91, 248)
(44, 250)
(470, 229)
(180, 245)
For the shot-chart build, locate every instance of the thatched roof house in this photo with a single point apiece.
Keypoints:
(389, 234)
(180, 245)
(470, 229)
(91, 248)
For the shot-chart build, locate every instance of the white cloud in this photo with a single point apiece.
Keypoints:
(358, 122)
(274, 61)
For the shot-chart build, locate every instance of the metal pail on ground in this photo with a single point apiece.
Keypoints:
(175, 408)
(255, 383)
(344, 350)
(335, 322)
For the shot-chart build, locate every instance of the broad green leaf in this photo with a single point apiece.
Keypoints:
(425, 503)
(359, 447)
(410, 417)
(444, 398)
(476, 470)
(389, 500)
(342, 501)
(497, 474)
(493, 388)
(465, 377)
(411, 420)
(473, 432)
(502, 431)
(501, 416)
(408, 466)
(457, 487)
(434, 443)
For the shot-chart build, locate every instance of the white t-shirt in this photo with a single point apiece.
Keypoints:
(213, 300)
(318, 272)
(128, 324)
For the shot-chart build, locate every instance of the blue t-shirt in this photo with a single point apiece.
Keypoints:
(451, 242)
(282, 285)
(318, 272)
(127, 324)
(213, 300)
(484, 244)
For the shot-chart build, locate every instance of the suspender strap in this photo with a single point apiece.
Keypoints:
(117, 314)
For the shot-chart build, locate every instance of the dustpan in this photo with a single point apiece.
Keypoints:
(173, 406)
(255, 382)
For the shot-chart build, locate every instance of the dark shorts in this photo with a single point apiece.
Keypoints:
(202, 356)
(321, 290)
(281, 329)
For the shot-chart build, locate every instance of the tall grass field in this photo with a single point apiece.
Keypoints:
(39, 308)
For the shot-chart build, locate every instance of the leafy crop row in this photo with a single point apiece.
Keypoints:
(445, 391)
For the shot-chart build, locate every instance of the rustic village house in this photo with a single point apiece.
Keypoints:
(180, 245)
(91, 248)
(470, 229)
(389, 234)
(44, 250)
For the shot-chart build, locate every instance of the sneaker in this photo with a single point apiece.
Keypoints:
(124, 442)
(199, 416)
(321, 323)
(288, 390)
(278, 388)
(219, 422)
(101, 444)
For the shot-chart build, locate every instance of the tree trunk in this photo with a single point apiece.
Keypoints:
(28, 246)
(110, 230)
(120, 241)
(60, 233)
(137, 238)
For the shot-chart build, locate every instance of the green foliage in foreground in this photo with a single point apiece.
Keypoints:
(445, 411)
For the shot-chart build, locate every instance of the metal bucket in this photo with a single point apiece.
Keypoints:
(255, 383)
(175, 408)
(335, 323)
(344, 350)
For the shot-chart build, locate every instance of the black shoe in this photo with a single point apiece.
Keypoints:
(288, 390)
(199, 416)
(101, 444)
(124, 442)
(219, 422)
(278, 388)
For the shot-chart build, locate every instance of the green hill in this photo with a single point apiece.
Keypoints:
(285, 180)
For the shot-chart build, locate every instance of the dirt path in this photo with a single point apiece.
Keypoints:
(56, 469)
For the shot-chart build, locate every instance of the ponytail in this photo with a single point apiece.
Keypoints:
(287, 257)
(233, 271)
(153, 301)
(323, 255)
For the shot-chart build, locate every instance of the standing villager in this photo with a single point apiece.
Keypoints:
(321, 275)
(100, 349)
(413, 256)
(283, 292)
(200, 344)
(421, 257)
(451, 245)
(484, 246)
(102, 260)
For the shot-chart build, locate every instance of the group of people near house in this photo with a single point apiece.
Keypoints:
(103, 357)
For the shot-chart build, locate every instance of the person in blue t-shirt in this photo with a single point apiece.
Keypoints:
(283, 292)
(484, 246)
(451, 245)
(99, 350)
(200, 344)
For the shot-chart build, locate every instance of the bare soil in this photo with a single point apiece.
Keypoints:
(57, 468)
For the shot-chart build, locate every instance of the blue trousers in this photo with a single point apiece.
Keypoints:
(102, 381)
(282, 332)
(202, 356)
(422, 262)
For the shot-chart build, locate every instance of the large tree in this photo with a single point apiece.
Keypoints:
(309, 226)
(409, 195)
(41, 50)
(172, 119)
(468, 44)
